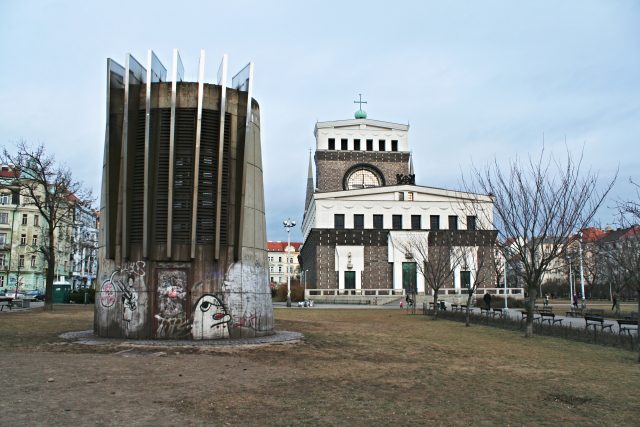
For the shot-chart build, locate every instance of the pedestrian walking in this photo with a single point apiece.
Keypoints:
(546, 300)
(615, 305)
(487, 300)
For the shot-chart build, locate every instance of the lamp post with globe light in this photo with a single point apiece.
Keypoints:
(288, 225)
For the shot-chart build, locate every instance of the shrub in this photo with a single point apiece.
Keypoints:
(78, 296)
(297, 291)
(497, 301)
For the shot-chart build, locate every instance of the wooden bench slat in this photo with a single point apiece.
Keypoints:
(595, 321)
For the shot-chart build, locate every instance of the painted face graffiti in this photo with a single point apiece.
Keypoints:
(210, 319)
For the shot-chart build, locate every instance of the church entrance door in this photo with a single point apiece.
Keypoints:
(349, 279)
(409, 277)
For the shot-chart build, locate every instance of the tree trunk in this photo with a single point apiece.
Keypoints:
(638, 341)
(51, 267)
(532, 302)
(435, 305)
(469, 306)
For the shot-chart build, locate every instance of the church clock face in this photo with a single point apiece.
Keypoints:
(362, 177)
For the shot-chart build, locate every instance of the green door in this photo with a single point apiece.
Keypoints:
(349, 279)
(409, 277)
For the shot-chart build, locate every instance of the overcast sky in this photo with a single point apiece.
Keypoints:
(476, 80)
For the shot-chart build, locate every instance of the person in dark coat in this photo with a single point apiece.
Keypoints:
(487, 300)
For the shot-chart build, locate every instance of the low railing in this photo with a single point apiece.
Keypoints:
(515, 292)
(355, 292)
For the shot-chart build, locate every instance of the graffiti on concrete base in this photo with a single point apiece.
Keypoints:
(210, 319)
(171, 297)
(128, 281)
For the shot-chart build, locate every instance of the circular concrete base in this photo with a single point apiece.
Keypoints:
(88, 338)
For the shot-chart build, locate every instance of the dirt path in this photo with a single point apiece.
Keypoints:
(358, 367)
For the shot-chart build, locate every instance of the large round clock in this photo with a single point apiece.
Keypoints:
(362, 177)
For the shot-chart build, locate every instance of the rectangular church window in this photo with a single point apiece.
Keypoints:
(471, 222)
(369, 144)
(416, 222)
(358, 221)
(377, 222)
(465, 279)
(338, 221)
(394, 145)
(434, 222)
(356, 145)
(396, 223)
(453, 222)
(381, 145)
(332, 144)
(344, 144)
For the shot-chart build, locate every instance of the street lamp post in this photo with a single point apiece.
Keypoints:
(581, 268)
(288, 225)
(505, 282)
(570, 282)
(305, 284)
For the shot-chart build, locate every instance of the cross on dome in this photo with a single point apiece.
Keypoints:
(360, 114)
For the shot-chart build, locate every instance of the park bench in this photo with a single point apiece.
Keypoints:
(627, 325)
(595, 312)
(484, 310)
(498, 312)
(572, 313)
(463, 307)
(595, 321)
(549, 317)
(524, 316)
(455, 307)
(6, 302)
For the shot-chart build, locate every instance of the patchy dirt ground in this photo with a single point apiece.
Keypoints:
(356, 367)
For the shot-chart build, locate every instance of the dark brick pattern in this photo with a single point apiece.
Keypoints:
(331, 166)
(318, 253)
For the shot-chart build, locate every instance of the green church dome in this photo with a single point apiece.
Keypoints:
(360, 114)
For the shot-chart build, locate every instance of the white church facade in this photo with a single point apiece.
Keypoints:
(363, 208)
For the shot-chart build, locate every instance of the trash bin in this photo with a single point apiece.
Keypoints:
(26, 303)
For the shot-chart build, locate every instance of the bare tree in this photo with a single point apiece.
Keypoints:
(485, 268)
(539, 204)
(630, 209)
(435, 262)
(628, 249)
(51, 188)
